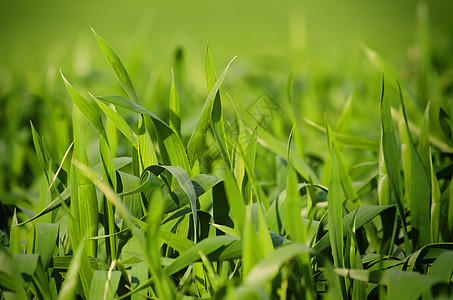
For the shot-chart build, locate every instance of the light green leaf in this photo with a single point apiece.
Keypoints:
(197, 139)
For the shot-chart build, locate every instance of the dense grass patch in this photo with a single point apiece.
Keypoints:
(265, 199)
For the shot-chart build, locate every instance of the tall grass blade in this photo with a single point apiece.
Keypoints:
(69, 287)
(197, 139)
(175, 107)
(117, 67)
(392, 164)
(217, 111)
(436, 216)
(418, 192)
(86, 201)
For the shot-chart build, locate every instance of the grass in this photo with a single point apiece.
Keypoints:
(244, 206)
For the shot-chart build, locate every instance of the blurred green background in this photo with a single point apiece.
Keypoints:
(320, 40)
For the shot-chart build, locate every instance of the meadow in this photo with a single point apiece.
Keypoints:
(229, 177)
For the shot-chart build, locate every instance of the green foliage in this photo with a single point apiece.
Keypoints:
(229, 209)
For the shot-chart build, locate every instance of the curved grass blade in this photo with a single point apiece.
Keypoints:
(117, 67)
(217, 112)
(268, 267)
(197, 140)
(187, 186)
(171, 147)
(119, 122)
(87, 107)
(442, 267)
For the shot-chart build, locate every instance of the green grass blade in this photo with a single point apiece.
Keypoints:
(345, 179)
(392, 164)
(206, 246)
(146, 154)
(435, 203)
(423, 139)
(408, 285)
(88, 216)
(14, 239)
(119, 122)
(40, 151)
(217, 111)
(69, 287)
(198, 137)
(251, 252)
(235, 201)
(87, 107)
(450, 208)
(268, 267)
(46, 239)
(442, 267)
(171, 147)
(10, 279)
(175, 107)
(384, 66)
(187, 186)
(384, 192)
(351, 141)
(335, 211)
(418, 192)
(104, 284)
(117, 67)
(107, 190)
(278, 147)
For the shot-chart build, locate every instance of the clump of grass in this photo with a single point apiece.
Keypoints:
(154, 224)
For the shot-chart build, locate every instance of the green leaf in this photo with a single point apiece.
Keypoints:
(119, 122)
(40, 151)
(235, 201)
(86, 201)
(46, 239)
(187, 186)
(418, 192)
(117, 67)
(408, 285)
(197, 139)
(175, 107)
(14, 240)
(362, 215)
(268, 267)
(104, 284)
(170, 145)
(392, 162)
(217, 111)
(442, 267)
(87, 107)
(435, 203)
(69, 286)
(335, 211)
(206, 246)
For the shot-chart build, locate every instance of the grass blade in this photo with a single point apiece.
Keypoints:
(171, 147)
(86, 201)
(175, 107)
(197, 139)
(418, 192)
(392, 164)
(68, 289)
(117, 67)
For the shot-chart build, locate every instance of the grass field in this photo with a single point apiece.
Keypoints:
(296, 154)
